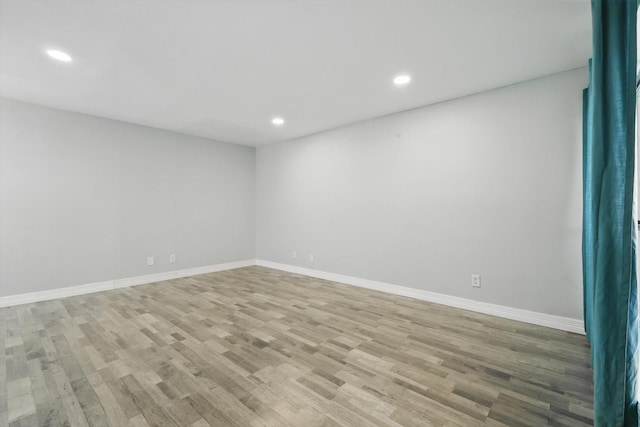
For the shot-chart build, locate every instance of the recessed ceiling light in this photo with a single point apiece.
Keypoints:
(402, 79)
(59, 55)
(278, 121)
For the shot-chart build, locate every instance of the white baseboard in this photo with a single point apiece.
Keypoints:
(118, 283)
(542, 319)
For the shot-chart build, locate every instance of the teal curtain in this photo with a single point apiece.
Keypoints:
(609, 229)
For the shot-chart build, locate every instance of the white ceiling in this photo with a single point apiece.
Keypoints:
(223, 69)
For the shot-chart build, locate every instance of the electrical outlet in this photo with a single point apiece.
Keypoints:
(294, 254)
(172, 257)
(151, 260)
(475, 280)
(310, 257)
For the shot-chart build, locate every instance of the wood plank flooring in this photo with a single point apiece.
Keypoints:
(260, 347)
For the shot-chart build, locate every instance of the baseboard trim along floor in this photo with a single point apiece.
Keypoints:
(541, 319)
(536, 318)
(118, 283)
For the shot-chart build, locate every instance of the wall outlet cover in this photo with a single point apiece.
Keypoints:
(475, 280)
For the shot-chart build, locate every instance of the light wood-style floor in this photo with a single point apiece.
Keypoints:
(260, 347)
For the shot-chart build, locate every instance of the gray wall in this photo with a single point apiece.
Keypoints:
(85, 199)
(487, 184)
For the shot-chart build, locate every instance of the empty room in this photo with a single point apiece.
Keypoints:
(318, 213)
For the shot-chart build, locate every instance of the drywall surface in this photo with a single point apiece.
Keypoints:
(85, 199)
(488, 184)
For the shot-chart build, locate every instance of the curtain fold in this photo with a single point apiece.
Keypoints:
(609, 224)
